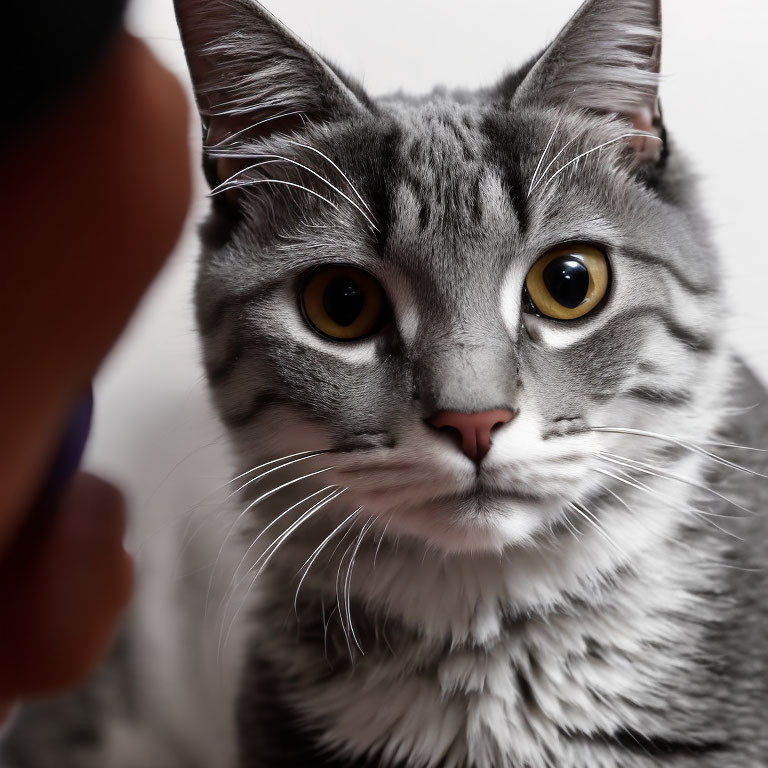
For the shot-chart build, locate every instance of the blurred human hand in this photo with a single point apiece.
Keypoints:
(91, 204)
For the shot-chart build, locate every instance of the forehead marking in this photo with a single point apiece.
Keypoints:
(442, 162)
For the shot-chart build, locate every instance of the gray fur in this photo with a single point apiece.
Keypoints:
(589, 598)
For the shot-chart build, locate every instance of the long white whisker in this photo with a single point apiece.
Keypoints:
(290, 509)
(378, 546)
(228, 139)
(735, 446)
(348, 582)
(261, 498)
(220, 506)
(589, 518)
(674, 541)
(273, 461)
(683, 444)
(325, 631)
(343, 175)
(235, 583)
(597, 149)
(256, 182)
(274, 547)
(270, 551)
(571, 526)
(553, 161)
(236, 522)
(339, 601)
(650, 469)
(227, 183)
(281, 158)
(309, 562)
(262, 475)
(338, 545)
(543, 155)
(701, 514)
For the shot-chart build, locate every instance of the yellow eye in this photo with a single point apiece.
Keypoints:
(342, 302)
(569, 281)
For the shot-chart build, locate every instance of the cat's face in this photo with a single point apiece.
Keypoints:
(453, 298)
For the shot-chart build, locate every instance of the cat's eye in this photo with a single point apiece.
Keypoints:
(342, 302)
(569, 281)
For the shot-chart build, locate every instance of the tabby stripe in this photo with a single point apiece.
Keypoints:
(261, 402)
(222, 370)
(500, 153)
(211, 318)
(659, 396)
(694, 341)
(656, 746)
(648, 258)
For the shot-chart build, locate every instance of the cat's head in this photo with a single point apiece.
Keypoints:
(454, 297)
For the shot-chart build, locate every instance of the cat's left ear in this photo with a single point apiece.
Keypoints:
(252, 76)
(607, 60)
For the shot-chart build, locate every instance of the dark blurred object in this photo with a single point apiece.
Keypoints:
(46, 49)
(69, 455)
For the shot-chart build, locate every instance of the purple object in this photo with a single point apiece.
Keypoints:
(69, 454)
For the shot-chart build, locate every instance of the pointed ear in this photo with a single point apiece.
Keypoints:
(606, 60)
(252, 77)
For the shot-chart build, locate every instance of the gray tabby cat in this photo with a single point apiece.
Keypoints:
(470, 355)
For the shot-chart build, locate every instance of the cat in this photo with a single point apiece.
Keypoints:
(497, 505)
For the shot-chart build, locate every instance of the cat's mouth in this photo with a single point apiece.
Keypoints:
(480, 493)
(483, 494)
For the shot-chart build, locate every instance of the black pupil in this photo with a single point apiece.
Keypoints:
(567, 280)
(343, 300)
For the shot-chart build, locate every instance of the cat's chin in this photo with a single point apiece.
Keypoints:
(474, 524)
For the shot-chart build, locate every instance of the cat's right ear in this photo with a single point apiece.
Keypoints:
(252, 77)
(606, 60)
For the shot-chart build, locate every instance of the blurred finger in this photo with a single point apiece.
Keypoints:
(63, 592)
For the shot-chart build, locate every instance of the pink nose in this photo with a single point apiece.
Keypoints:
(473, 428)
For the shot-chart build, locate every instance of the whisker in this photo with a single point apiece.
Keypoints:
(339, 601)
(274, 547)
(553, 161)
(681, 443)
(228, 139)
(574, 532)
(301, 457)
(702, 557)
(338, 545)
(309, 562)
(256, 182)
(593, 521)
(735, 446)
(227, 183)
(325, 631)
(281, 158)
(650, 469)
(235, 583)
(212, 493)
(543, 155)
(597, 149)
(348, 582)
(378, 546)
(699, 513)
(250, 506)
(341, 173)
(290, 509)
(270, 551)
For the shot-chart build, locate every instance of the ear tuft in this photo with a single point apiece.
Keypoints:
(606, 60)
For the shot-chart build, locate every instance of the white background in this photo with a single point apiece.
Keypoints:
(154, 432)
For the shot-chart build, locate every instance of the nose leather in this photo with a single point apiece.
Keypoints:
(473, 428)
